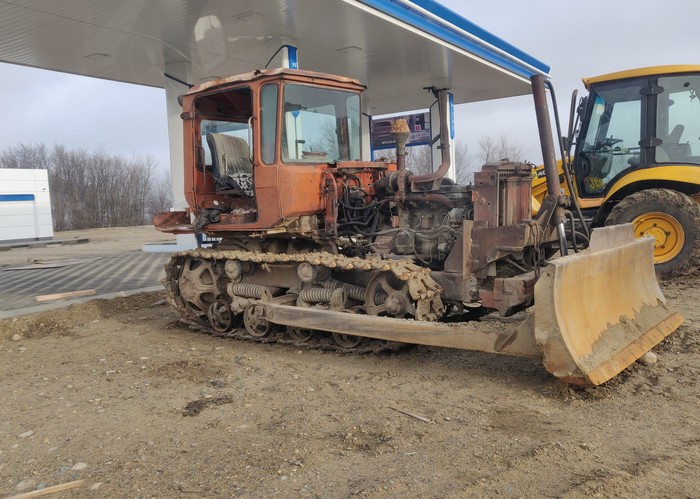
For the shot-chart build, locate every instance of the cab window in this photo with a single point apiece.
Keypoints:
(612, 141)
(268, 122)
(225, 122)
(320, 125)
(226, 140)
(678, 120)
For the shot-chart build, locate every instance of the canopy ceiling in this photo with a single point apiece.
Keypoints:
(395, 47)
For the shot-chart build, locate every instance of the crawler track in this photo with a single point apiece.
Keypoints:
(204, 289)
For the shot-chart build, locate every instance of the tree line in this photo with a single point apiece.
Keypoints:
(95, 189)
(100, 189)
(489, 149)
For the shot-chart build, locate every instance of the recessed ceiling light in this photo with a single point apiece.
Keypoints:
(348, 50)
(97, 56)
(246, 16)
(440, 81)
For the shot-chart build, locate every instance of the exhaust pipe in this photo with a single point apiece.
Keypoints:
(549, 159)
(432, 181)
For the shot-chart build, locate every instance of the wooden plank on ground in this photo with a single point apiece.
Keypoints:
(67, 294)
(412, 414)
(49, 490)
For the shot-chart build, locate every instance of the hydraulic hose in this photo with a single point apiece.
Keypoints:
(566, 166)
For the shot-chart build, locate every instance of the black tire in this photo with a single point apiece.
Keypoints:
(679, 209)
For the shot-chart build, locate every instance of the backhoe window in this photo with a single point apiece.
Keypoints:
(320, 125)
(678, 120)
(611, 142)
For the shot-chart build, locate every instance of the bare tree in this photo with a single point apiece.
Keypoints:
(463, 164)
(325, 139)
(94, 189)
(492, 149)
(161, 196)
(26, 156)
(419, 159)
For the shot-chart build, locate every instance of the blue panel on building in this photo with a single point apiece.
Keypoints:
(16, 197)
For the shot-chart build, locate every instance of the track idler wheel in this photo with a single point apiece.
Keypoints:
(198, 286)
(256, 325)
(348, 341)
(300, 335)
(388, 295)
(221, 318)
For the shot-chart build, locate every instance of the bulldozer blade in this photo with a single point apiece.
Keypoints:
(598, 311)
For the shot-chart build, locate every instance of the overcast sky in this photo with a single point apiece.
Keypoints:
(575, 39)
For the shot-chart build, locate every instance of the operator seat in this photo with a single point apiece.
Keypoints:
(675, 136)
(671, 149)
(231, 166)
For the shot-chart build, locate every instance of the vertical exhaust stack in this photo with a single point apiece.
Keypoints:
(549, 159)
(432, 181)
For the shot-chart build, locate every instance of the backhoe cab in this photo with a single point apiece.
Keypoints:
(636, 158)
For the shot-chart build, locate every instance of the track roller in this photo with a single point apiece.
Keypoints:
(256, 325)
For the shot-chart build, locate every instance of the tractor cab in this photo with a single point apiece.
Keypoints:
(256, 145)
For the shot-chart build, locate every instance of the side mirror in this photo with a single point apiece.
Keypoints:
(582, 105)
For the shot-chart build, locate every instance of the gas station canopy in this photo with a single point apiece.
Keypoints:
(395, 47)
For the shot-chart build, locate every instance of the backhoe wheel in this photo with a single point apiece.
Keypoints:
(671, 217)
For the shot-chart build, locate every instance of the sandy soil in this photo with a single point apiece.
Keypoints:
(118, 393)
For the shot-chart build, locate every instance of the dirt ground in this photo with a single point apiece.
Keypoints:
(118, 393)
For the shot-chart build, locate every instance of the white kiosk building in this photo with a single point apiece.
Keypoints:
(25, 205)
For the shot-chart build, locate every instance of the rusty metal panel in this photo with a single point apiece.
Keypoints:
(516, 200)
(175, 222)
(467, 242)
(491, 244)
(485, 196)
(509, 294)
(502, 194)
(455, 286)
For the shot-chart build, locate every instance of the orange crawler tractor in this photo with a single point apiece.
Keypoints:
(316, 246)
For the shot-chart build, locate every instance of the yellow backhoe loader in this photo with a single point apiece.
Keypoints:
(632, 155)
